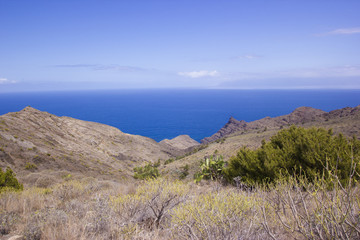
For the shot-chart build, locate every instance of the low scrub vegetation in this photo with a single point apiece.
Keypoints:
(147, 172)
(184, 172)
(30, 166)
(288, 208)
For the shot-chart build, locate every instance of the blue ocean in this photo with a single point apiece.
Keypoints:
(161, 114)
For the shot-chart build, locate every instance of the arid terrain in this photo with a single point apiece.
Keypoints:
(41, 148)
(78, 184)
(44, 149)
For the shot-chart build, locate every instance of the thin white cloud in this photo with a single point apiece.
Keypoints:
(247, 56)
(99, 67)
(6, 81)
(344, 31)
(75, 65)
(199, 74)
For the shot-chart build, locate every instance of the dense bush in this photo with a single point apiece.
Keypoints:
(8, 180)
(313, 152)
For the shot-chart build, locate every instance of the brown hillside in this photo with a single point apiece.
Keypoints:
(41, 147)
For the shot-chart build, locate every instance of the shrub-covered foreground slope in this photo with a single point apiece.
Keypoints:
(287, 207)
(163, 209)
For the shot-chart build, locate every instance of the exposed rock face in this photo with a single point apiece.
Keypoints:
(344, 112)
(300, 115)
(32, 141)
(180, 142)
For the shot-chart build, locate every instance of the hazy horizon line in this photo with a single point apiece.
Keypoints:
(171, 89)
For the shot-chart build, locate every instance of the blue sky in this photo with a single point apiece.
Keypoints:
(108, 44)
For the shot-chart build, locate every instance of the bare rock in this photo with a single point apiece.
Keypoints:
(16, 237)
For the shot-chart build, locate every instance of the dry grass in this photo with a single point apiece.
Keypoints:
(165, 209)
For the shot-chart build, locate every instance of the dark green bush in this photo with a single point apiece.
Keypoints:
(8, 180)
(146, 172)
(313, 152)
(170, 160)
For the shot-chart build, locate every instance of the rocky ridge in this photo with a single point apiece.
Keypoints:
(299, 116)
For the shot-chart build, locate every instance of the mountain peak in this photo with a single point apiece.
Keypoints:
(180, 142)
(307, 110)
(30, 109)
(232, 120)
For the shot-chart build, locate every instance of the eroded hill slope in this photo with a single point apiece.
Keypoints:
(37, 144)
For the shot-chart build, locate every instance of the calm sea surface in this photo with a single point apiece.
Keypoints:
(161, 114)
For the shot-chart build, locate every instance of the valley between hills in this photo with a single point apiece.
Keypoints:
(44, 149)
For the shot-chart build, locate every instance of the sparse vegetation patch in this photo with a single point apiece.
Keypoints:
(30, 166)
(146, 172)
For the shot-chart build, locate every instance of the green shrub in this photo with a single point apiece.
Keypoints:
(157, 164)
(8, 180)
(147, 172)
(220, 140)
(184, 171)
(30, 166)
(170, 160)
(312, 152)
(211, 168)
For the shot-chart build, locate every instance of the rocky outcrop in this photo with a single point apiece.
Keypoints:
(344, 112)
(299, 116)
(180, 142)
